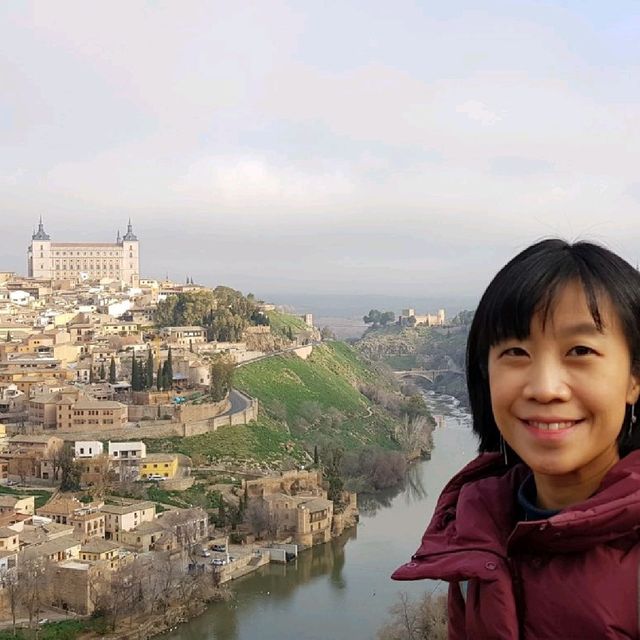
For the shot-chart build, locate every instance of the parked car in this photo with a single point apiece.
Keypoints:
(10, 483)
(219, 562)
(222, 548)
(205, 554)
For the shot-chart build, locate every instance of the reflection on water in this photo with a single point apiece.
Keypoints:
(412, 489)
(342, 589)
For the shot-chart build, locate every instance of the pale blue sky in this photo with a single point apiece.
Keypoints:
(390, 147)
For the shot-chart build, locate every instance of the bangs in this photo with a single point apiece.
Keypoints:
(533, 292)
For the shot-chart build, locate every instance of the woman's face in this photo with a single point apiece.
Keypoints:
(559, 396)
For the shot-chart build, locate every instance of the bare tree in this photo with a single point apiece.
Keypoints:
(425, 619)
(24, 468)
(9, 582)
(102, 475)
(59, 456)
(261, 519)
(165, 574)
(117, 596)
(414, 433)
(33, 581)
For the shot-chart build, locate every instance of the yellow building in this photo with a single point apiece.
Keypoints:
(159, 464)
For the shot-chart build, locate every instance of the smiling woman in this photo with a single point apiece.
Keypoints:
(553, 500)
(559, 395)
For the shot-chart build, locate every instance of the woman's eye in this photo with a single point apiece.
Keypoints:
(580, 350)
(514, 351)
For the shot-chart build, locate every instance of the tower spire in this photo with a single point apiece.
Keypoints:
(130, 236)
(40, 234)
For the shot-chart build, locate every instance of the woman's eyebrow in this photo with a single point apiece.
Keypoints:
(584, 328)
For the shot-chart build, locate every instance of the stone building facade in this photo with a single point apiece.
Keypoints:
(80, 261)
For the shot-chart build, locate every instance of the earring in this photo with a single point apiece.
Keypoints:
(503, 451)
(632, 422)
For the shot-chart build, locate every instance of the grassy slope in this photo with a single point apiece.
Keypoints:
(327, 377)
(280, 323)
(264, 441)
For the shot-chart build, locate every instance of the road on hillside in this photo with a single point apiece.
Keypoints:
(239, 403)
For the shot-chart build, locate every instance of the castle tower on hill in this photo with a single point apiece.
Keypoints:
(119, 260)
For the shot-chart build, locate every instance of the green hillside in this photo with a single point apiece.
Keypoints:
(281, 323)
(257, 444)
(318, 398)
(303, 403)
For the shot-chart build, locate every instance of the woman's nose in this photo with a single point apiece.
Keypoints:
(547, 382)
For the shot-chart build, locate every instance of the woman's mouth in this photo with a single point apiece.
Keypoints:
(551, 426)
(550, 430)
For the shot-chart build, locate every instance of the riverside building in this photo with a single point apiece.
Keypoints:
(81, 261)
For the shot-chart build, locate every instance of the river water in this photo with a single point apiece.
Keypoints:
(341, 590)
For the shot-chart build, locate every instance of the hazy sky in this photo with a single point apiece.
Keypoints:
(392, 147)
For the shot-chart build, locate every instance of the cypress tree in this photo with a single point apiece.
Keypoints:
(165, 379)
(102, 374)
(169, 364)
(316, 457)
(134, 373)
(149, 370)
(112, 370)
(159, 385)
(142, 375)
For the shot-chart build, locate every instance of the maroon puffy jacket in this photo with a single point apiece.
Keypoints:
(574, 575)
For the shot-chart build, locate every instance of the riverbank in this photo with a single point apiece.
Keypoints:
(342, 589)
(261, 588)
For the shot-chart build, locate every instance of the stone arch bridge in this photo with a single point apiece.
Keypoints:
(431, 375)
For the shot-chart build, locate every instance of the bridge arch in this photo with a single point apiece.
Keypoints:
(431, 375)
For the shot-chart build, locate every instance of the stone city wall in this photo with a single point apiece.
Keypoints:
(198, 412)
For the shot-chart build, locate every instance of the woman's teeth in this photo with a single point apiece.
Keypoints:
(551, 426)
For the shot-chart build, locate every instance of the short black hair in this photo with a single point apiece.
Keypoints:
(528, 284)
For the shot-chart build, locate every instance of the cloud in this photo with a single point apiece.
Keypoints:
(256, 182)
(515, 166)
(478, 111)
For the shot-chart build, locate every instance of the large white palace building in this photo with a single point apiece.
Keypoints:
(119, 260)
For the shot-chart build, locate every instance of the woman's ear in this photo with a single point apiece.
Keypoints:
(634, 388)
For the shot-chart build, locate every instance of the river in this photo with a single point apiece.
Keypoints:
(342, 589)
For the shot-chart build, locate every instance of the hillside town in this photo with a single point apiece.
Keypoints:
(88, 378)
